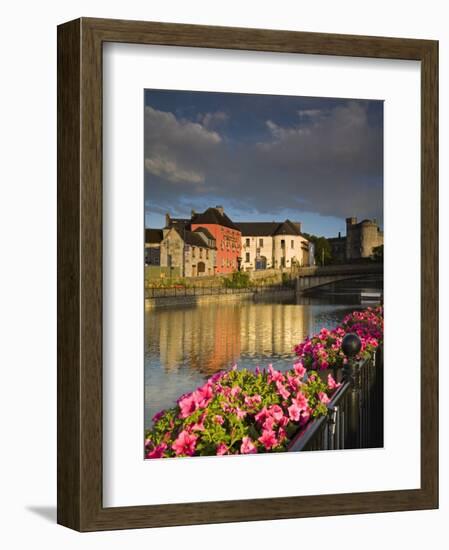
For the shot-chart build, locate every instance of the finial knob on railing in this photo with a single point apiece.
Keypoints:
(351, 344)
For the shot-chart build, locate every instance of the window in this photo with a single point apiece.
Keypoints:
(293, 243)
(193, 252)
(247, 242)
(201, 252)
(282, 243)
(247, 258)
(207, 254)
(261, 243)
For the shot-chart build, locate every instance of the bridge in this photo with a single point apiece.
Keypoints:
(316, 276)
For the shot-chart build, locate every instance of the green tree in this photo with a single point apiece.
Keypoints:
(378, 253)
(323, 250)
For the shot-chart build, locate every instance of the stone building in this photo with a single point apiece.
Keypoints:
(193, 252)
(275, 245)
(360, 241)
(221, 228)
(153, 238)
(226, 234)
(362, 238)
(338, 248)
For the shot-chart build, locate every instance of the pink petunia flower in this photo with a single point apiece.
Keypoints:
(157, 452)
(184, 444)
(218, 419)
(261, 415)
(276, 412)
(294, 412)
(188, 405)
(301, 401)
(235, 390)
(268, 439)
(274, 375)
(247, 446)
(199, 426)
(221, 449)
(299, 369)
(268, 423)
(333, 385)
(323, 398)
(282, 390)
(158, 416)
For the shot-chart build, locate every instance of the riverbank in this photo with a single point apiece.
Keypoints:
(190, 297)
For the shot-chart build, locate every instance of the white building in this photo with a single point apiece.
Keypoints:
(277, 245)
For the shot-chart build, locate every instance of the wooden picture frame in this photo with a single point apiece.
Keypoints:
(80, 351)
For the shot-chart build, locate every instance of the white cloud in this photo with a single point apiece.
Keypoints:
(309, 112)
(175, 148)
(213, 120)
(168, 169)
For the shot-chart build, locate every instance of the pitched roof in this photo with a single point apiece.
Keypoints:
(267, 229)
(179, 222)
(192, 238)
(257, 229)
(287, 228)
(215, 217)
(205, 232)
(153, 236)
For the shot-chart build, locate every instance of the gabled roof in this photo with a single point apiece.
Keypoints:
(179, 222)
(257, 229)
(193, 238)
(205, 232)
(267, 229)
(215, 217)
(287, 228)
(153, 236)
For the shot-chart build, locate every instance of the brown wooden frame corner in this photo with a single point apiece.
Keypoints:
(80, 273)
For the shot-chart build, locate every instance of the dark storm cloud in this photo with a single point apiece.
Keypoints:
(326, 161)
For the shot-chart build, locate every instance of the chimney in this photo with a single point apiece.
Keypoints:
(192, 213)
(339, 234)
(220, 209)
(351, 221)
(297, 225)
(167, 220)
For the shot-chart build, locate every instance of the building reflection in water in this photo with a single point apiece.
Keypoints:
(211, 337)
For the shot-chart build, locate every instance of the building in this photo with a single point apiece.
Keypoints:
(192, 253)
(220, 227)
(360, 241)
(153, 238)
(362, 238)
(275, 245)
(338, 249)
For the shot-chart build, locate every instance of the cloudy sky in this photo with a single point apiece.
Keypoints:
(314, 160)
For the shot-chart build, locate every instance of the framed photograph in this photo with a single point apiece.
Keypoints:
(247, 274)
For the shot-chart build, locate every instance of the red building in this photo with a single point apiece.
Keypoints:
(226, 234)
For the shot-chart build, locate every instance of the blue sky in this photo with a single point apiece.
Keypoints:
(314, 160)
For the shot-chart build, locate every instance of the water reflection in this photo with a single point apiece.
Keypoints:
(183, 345)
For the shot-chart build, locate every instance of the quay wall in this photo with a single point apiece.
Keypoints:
(192, 300)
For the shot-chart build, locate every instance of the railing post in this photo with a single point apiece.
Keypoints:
(351, 346)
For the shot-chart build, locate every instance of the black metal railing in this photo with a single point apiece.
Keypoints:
(355, 412)
(171, 292)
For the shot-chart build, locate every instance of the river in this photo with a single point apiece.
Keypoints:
(184, 345)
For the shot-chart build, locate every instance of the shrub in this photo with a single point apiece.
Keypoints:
(239, 279)
(323, 350)
(240, 412)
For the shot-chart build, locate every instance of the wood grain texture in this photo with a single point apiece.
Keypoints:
(69, 407)
(80, 274)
